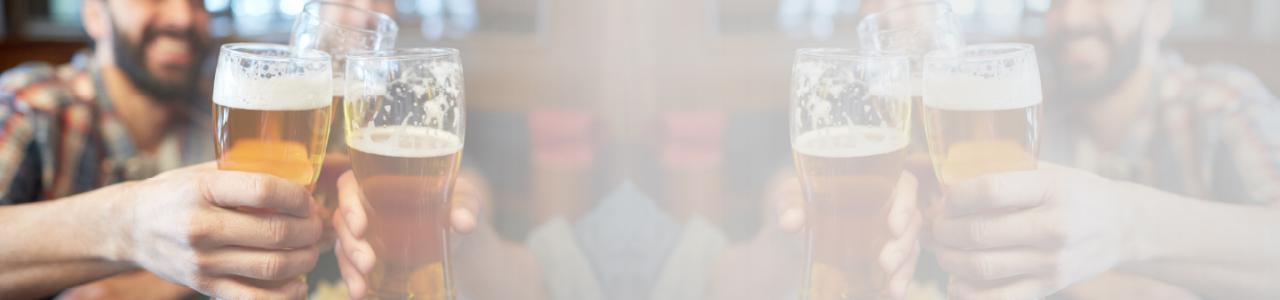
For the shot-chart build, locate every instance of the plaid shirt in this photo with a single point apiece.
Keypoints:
(60, 136)
(1209, 132)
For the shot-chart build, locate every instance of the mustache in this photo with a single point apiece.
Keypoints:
(188, 35)
(1060, 39)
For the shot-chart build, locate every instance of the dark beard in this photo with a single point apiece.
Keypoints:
(1071, 91)
(131, 59)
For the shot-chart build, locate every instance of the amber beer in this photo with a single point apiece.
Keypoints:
(848, 174)
(286, 143)
(979, 127)
(967, 143)
(407, 175)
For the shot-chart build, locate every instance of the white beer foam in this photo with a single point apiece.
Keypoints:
(237, 89)
(850, 141)
(434, 142)
(974, 93)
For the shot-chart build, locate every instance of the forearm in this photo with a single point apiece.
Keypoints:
(56, 244)
(1222, 251)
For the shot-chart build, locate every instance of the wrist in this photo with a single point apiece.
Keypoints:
(118, 238)
(1140, 239)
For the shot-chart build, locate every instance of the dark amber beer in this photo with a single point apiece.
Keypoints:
(850, 136)
(407, 175)
(404, 113)
(848, 175)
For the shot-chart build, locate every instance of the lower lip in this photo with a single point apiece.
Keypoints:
(175, 59)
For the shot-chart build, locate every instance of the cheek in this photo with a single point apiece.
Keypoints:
(1086, 57)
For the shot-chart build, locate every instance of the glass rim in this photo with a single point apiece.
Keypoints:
(247, 50)
(1005, 51)
(854, 54)
(403, 54)
(392, 27)
(901, 7)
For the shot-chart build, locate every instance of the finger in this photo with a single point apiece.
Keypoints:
(1022, 228)
(790, 205)
(264, 231)
(350, 274)
(1018, 289)
(351, 206)
(467, 196)
(904, 212)
(999, 192)
(260, 264)
(232, 189)
(897, 251)
(901, 278)
(992, 264)
(792, 220)
(229, 288)
(355, 250)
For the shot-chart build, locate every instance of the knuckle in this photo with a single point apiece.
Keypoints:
(202, 184)
(203, 285)
(272, 267)
(976, 233)
(278, 231)
(204, 264)
(1053, 231)
(981, 267)
(200, 230)
(261, 188)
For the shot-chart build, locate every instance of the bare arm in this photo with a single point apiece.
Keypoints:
(1030, 234)
(1222, 251)
(226, 234)
(52, 245)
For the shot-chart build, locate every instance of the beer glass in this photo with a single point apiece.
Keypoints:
(271, 110)
(982, 110)
(913, 29)
(339, 29)
(405, 121)
(850, 128)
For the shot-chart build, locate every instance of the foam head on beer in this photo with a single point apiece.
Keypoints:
(982, 110)
(272, 110)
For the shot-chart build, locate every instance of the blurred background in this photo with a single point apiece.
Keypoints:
(571, 101)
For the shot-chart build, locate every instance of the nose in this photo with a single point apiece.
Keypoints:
(1073, 14)
(180, 13)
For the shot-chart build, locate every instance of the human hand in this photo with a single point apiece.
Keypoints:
(355, 254)
(1026, 235)
(226, 234)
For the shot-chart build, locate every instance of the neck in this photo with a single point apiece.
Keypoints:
(1120, 109)
(144, 117)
